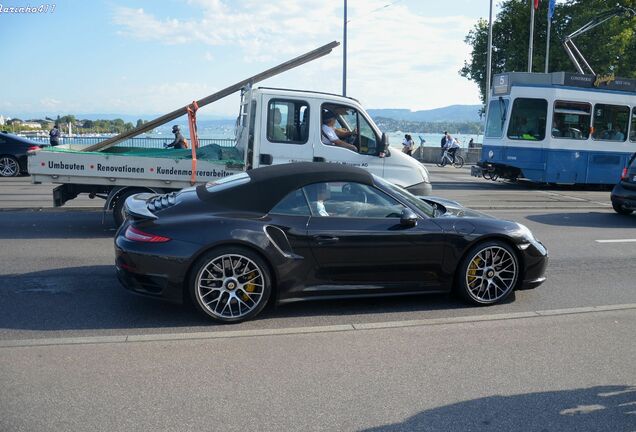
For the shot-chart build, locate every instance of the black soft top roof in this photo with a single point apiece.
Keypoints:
(269, 185)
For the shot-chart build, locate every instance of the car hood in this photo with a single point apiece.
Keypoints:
(452, 208)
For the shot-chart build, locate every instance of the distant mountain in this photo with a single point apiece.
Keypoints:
(452, 113)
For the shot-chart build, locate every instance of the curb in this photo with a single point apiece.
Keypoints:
(230, 334)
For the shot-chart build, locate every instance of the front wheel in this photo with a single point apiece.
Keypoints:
(488, 273)
(620, 209)
(230, 284)
(9, 166)
(459, 161)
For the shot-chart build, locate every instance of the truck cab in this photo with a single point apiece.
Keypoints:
(283, 126)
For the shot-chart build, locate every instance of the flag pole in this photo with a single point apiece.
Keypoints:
(489, 56)
(531, 35)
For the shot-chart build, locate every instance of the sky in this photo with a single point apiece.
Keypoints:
(138, 57)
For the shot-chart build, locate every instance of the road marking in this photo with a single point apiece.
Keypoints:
(162, 337)
(616, 241)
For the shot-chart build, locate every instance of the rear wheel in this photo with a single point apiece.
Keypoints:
(9, 166)
(230, 284)
(459, 161)
(620, 209)
(488, 273)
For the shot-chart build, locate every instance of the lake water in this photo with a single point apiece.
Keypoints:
(225, 129)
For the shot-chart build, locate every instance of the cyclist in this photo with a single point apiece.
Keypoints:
(451, 147)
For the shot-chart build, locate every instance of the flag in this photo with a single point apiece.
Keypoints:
(551, 9)
(536, 4)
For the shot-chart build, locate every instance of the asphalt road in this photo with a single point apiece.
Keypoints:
(417, 363)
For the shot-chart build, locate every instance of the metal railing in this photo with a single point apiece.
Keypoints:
(139, 142)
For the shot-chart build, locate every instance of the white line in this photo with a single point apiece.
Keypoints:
(616, 241)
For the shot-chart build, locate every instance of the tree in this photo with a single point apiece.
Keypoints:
(610, 48)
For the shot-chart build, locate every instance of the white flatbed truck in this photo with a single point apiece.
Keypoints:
(275, 126)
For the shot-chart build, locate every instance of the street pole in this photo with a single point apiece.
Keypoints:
(489, 57)
(531, 35)
(547, 45)
(344, 53)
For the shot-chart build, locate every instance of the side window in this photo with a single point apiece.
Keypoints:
(294, 204)
(497, 111)
(288, 121)
(527, 120)
(352, 127)
(632, 134)
(610, 122)
(348, 199)
(571, 120)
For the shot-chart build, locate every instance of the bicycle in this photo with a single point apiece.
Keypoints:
(446, 158)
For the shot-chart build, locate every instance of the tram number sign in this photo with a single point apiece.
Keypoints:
(501, 84)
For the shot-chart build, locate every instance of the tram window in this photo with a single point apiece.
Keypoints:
(528, 118)
(571, 120)
(632, 134)
(496, 118)
(610, 122)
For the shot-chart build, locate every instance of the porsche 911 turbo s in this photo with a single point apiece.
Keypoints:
(305, 231)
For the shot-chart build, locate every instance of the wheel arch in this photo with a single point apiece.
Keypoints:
(118, 191)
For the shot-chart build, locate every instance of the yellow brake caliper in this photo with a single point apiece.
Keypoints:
(250, 287)
(472, 270)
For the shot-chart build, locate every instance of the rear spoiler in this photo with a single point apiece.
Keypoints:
(136, 206)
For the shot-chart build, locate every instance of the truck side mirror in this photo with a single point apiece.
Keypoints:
(384, 143)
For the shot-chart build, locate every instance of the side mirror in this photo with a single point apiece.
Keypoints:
(408, 218)
(384, 143)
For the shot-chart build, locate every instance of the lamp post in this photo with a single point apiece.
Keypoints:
(489, 56)
(344, 53)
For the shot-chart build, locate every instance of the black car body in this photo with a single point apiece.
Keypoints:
(377, 239)
(624, 193)
(13, 154)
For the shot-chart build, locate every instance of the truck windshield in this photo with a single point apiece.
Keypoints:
(406, 196)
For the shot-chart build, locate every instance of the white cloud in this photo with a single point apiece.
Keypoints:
(396, 58)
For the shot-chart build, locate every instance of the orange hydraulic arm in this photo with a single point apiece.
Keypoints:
(194, 138)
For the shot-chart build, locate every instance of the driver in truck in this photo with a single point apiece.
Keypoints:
(329, 135)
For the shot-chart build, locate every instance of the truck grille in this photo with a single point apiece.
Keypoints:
(161, 202)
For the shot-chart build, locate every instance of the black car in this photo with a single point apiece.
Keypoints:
(13, 154)
(624, 193)
(315, 230)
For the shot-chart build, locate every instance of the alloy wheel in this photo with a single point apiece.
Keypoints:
(491, 274)
(9, 166)
(230, 286)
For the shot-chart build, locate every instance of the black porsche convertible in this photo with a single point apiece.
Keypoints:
(315, 230)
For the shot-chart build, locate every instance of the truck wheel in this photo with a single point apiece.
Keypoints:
(119, 215)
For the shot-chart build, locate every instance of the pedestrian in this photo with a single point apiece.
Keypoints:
(471, 143)
(443, 142)
(408, 145)
(54, 136)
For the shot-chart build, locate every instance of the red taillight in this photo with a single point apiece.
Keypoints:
(33, 148)
(624, 174)
(134, 234)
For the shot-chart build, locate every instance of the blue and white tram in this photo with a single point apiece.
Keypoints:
(559, 127)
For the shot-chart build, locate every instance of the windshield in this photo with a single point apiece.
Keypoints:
(406, 196)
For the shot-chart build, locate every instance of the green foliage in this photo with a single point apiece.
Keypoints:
(609, 48)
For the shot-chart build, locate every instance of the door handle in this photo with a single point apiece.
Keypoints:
(319, 159)
(325, 239)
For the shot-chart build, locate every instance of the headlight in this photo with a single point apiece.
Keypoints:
(526, 233)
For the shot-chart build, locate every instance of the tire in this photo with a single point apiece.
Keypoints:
(119, 216)
(459, 161)
(620, 209)
(488, 273)
(239, 276)
(9, 166)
